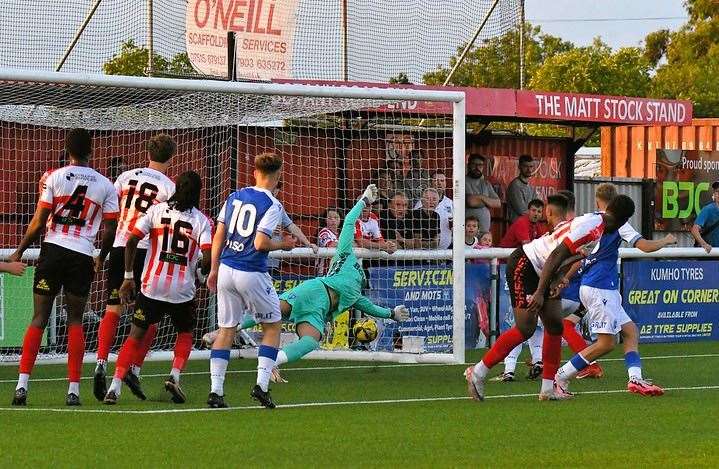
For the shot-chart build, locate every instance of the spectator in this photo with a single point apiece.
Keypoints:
(385, 185)
(327, 238)
(368, 234)
(444, 209)
(404, 160)
(480, 194)
(422, 227)
(525, 228)
(295, 231)
(485, 239)
(519, 192)
(471, 232)
(706, 227)
(394, 219)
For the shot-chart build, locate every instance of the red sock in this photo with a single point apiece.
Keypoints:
(144, 347)
(576, 342)
(551, 354)
(106, 334)
(501, 348)
(30, 347)
(183, 345)
(75, 352)
(127, 351)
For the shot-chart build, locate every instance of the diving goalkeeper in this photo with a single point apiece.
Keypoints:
(317, 300)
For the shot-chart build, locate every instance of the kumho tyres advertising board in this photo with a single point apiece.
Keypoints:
(672, 301)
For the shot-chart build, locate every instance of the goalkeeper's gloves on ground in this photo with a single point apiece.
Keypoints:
(370, 195)
(400, 313)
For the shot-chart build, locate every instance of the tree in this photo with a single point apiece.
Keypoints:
(595, 69)
(400, 79)
(692, 60)
(132, 61)
(495, 62)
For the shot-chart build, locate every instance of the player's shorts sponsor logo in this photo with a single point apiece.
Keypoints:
(114, 294)
(139, 314)
(599, 324)
(42, 285)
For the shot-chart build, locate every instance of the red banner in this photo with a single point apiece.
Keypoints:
(602, 109)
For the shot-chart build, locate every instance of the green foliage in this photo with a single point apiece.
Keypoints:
(595, 69)
(495, 62)
(692, 61)
(132, 61)
(400, 79)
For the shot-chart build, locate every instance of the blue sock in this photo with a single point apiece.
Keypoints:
(266, 357)
(219, 360)
(579, 362)
(634, 365)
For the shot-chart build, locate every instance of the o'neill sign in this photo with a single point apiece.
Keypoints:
(611, 109)
(265, 34)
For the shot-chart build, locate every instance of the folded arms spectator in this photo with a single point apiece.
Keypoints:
(422, 227)
(368, 234)
(480, 195)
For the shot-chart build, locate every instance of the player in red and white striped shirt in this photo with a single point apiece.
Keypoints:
(138, 190)
(74, 202)
(178, 233)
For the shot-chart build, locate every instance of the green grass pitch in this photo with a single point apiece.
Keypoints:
(362, 415)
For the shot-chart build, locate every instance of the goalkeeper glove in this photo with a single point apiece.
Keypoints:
(370, 195)
(400, 313)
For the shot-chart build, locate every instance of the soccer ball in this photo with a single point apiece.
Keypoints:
(365, 331)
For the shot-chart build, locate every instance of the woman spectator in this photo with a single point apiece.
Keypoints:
(327, 237)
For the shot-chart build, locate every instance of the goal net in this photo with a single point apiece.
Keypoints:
(358, 40)
(333, 141)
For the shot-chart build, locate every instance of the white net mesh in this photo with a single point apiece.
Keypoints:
(301, 39)
(331, 148)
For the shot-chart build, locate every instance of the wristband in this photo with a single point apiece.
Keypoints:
(129, 275)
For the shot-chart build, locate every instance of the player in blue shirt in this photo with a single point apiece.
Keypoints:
(598, 278)
(706, 227)
(240, 276)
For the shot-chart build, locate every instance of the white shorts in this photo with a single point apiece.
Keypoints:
(240, 292)
(605, 314)
(569, 307)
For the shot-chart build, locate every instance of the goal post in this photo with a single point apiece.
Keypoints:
(334, 139)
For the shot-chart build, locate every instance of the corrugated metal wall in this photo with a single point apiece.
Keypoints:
(584, 193)
(631, 151)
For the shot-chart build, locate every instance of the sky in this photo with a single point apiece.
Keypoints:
(558, 16)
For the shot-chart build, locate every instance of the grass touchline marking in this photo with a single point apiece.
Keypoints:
(357, 367)
(323, 404)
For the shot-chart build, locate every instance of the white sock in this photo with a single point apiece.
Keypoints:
(116, 386)
(22, 381)
(135, 370)
(175, 373)
(535, 345)
(218, 367)
(101, 363)
(635, 373)
(510, 361)
(547, 385)
(567, 372)
(74, 388)
(481, 370)
(281, 358)
(264, 371)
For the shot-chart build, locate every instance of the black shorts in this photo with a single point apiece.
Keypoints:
(116, 272)
(59, 267)
(149, 311)
(522, 279)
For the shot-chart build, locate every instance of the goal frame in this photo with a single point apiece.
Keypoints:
(457, 255)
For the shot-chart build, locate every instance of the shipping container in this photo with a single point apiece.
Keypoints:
(631, 151)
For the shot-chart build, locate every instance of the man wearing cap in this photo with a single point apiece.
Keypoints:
(519, 192)
(706, 227)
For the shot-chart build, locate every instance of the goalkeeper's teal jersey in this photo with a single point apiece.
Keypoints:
(346, 276)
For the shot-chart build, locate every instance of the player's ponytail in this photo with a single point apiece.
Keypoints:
(187, 191)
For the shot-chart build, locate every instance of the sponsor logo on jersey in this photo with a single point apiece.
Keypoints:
(114, 294)
(42, 285)
(139, 314)
(82, 177)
